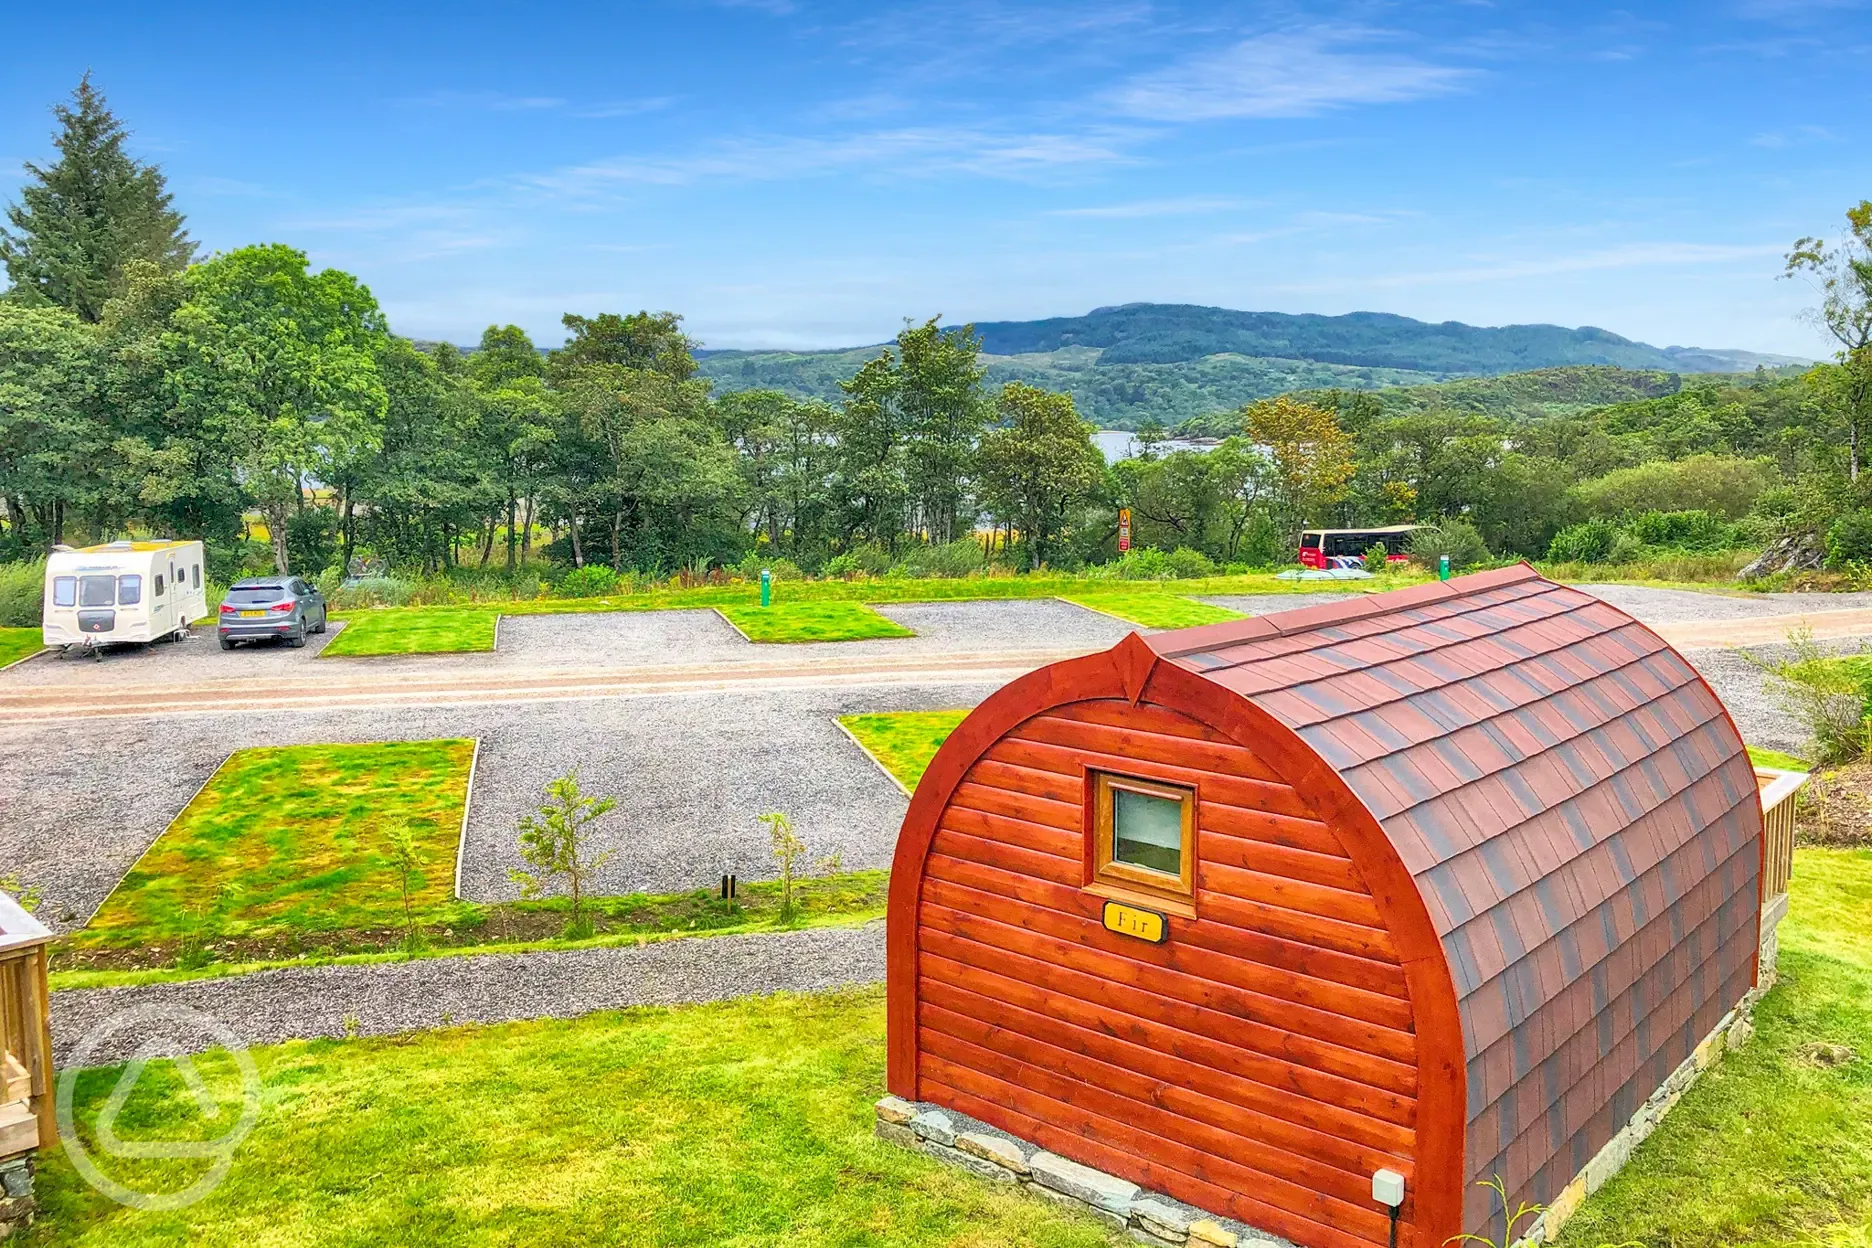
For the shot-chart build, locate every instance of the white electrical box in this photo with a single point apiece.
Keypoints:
(1387, 1188)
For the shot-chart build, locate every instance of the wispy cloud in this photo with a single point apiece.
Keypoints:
(502, 102)
(1515, 268)
(483, 101)
(1185, 206)
(1798, 136)
(1289, 73)
(914, 151)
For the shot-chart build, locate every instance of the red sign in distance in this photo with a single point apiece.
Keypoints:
(1124, 529)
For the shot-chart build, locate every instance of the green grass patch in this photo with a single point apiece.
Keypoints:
(413, 630)
(1776, 760)
(1155, 610)
(743, 1123)
(1773, 1146)
(903, 742)
(288, 840)
(811, 621)
(468, 930)
(17, 643)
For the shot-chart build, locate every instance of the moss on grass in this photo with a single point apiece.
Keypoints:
(812, 621)
(289, 840)
(413, 630)
(744, 1123)
(470, 929)
(17, 643)
(1154, 609)
(903, 742)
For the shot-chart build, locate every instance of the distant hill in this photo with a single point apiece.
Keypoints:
(1175, 362)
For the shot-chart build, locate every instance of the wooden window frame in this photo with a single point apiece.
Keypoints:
(1123, 881)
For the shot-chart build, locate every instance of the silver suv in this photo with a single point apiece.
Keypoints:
(280, 607)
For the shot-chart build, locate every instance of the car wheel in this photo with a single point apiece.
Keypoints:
(226, 644)
(297, 639)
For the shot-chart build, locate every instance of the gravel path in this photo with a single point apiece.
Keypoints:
(692, 773)
(596, 640)
(387, 998)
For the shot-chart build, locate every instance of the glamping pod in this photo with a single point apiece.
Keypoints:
(1444, 882)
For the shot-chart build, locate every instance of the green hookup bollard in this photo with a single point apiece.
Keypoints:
(1442, 568)
(766, 587)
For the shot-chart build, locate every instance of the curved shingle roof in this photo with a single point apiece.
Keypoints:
(1577, 810)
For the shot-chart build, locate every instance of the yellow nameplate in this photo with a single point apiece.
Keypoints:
(1131, 921)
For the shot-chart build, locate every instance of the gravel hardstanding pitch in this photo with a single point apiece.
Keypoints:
(692, 773)
(391, 997)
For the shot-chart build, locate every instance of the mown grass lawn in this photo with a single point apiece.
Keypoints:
(1777, 760)
(413, 630)
(1154, 609)
(786, 622)
(903, 742)
(291, 839)
(17, 643)
(1774, 1145)
(745, 1123)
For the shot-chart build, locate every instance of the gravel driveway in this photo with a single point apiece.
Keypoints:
(391, 997)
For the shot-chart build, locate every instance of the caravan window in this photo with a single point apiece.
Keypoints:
(195, 575)
(129, 589)
(159, 584)
(64, 591)
(97, 591)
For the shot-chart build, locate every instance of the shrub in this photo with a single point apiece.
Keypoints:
(1714, 483)
(1590, 542)
(22, 593)
(311, 539)
(1828, 695)
(1849, 540)
(1142, 563)
(372, 591)
(557, 845)
(782, 569)
(1456, 538)
(1264, 544)
(1186, 563)
(591, 581)
(1682, 530)
(962, 557)
(864, 559)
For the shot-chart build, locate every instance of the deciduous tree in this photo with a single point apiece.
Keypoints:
(1843, 273)
(1037, 464)
(1312, 454)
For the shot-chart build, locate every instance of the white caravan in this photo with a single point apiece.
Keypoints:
(123, 591)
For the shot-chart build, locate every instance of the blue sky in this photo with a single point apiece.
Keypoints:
(795, 173)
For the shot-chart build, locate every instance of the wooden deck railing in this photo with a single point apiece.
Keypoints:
(26, 1093)
(1778, 790)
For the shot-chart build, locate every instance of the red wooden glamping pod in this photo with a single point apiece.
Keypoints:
(1453, 879)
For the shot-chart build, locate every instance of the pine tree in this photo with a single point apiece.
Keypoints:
(94, 209)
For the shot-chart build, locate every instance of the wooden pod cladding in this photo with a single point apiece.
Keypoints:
(1440, 881)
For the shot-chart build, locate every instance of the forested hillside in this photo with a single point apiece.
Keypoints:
(1112, 396)
(1161, 333)
(1167, 363)
(1513, 397)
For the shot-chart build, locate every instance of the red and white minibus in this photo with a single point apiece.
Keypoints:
(1338, 548)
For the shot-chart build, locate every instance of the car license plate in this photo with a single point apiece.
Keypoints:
(253, 615)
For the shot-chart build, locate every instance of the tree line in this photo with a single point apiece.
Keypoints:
(146, 390)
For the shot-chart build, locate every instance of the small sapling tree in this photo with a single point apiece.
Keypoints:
(788, 849)
(406, 859)
(554, 844)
